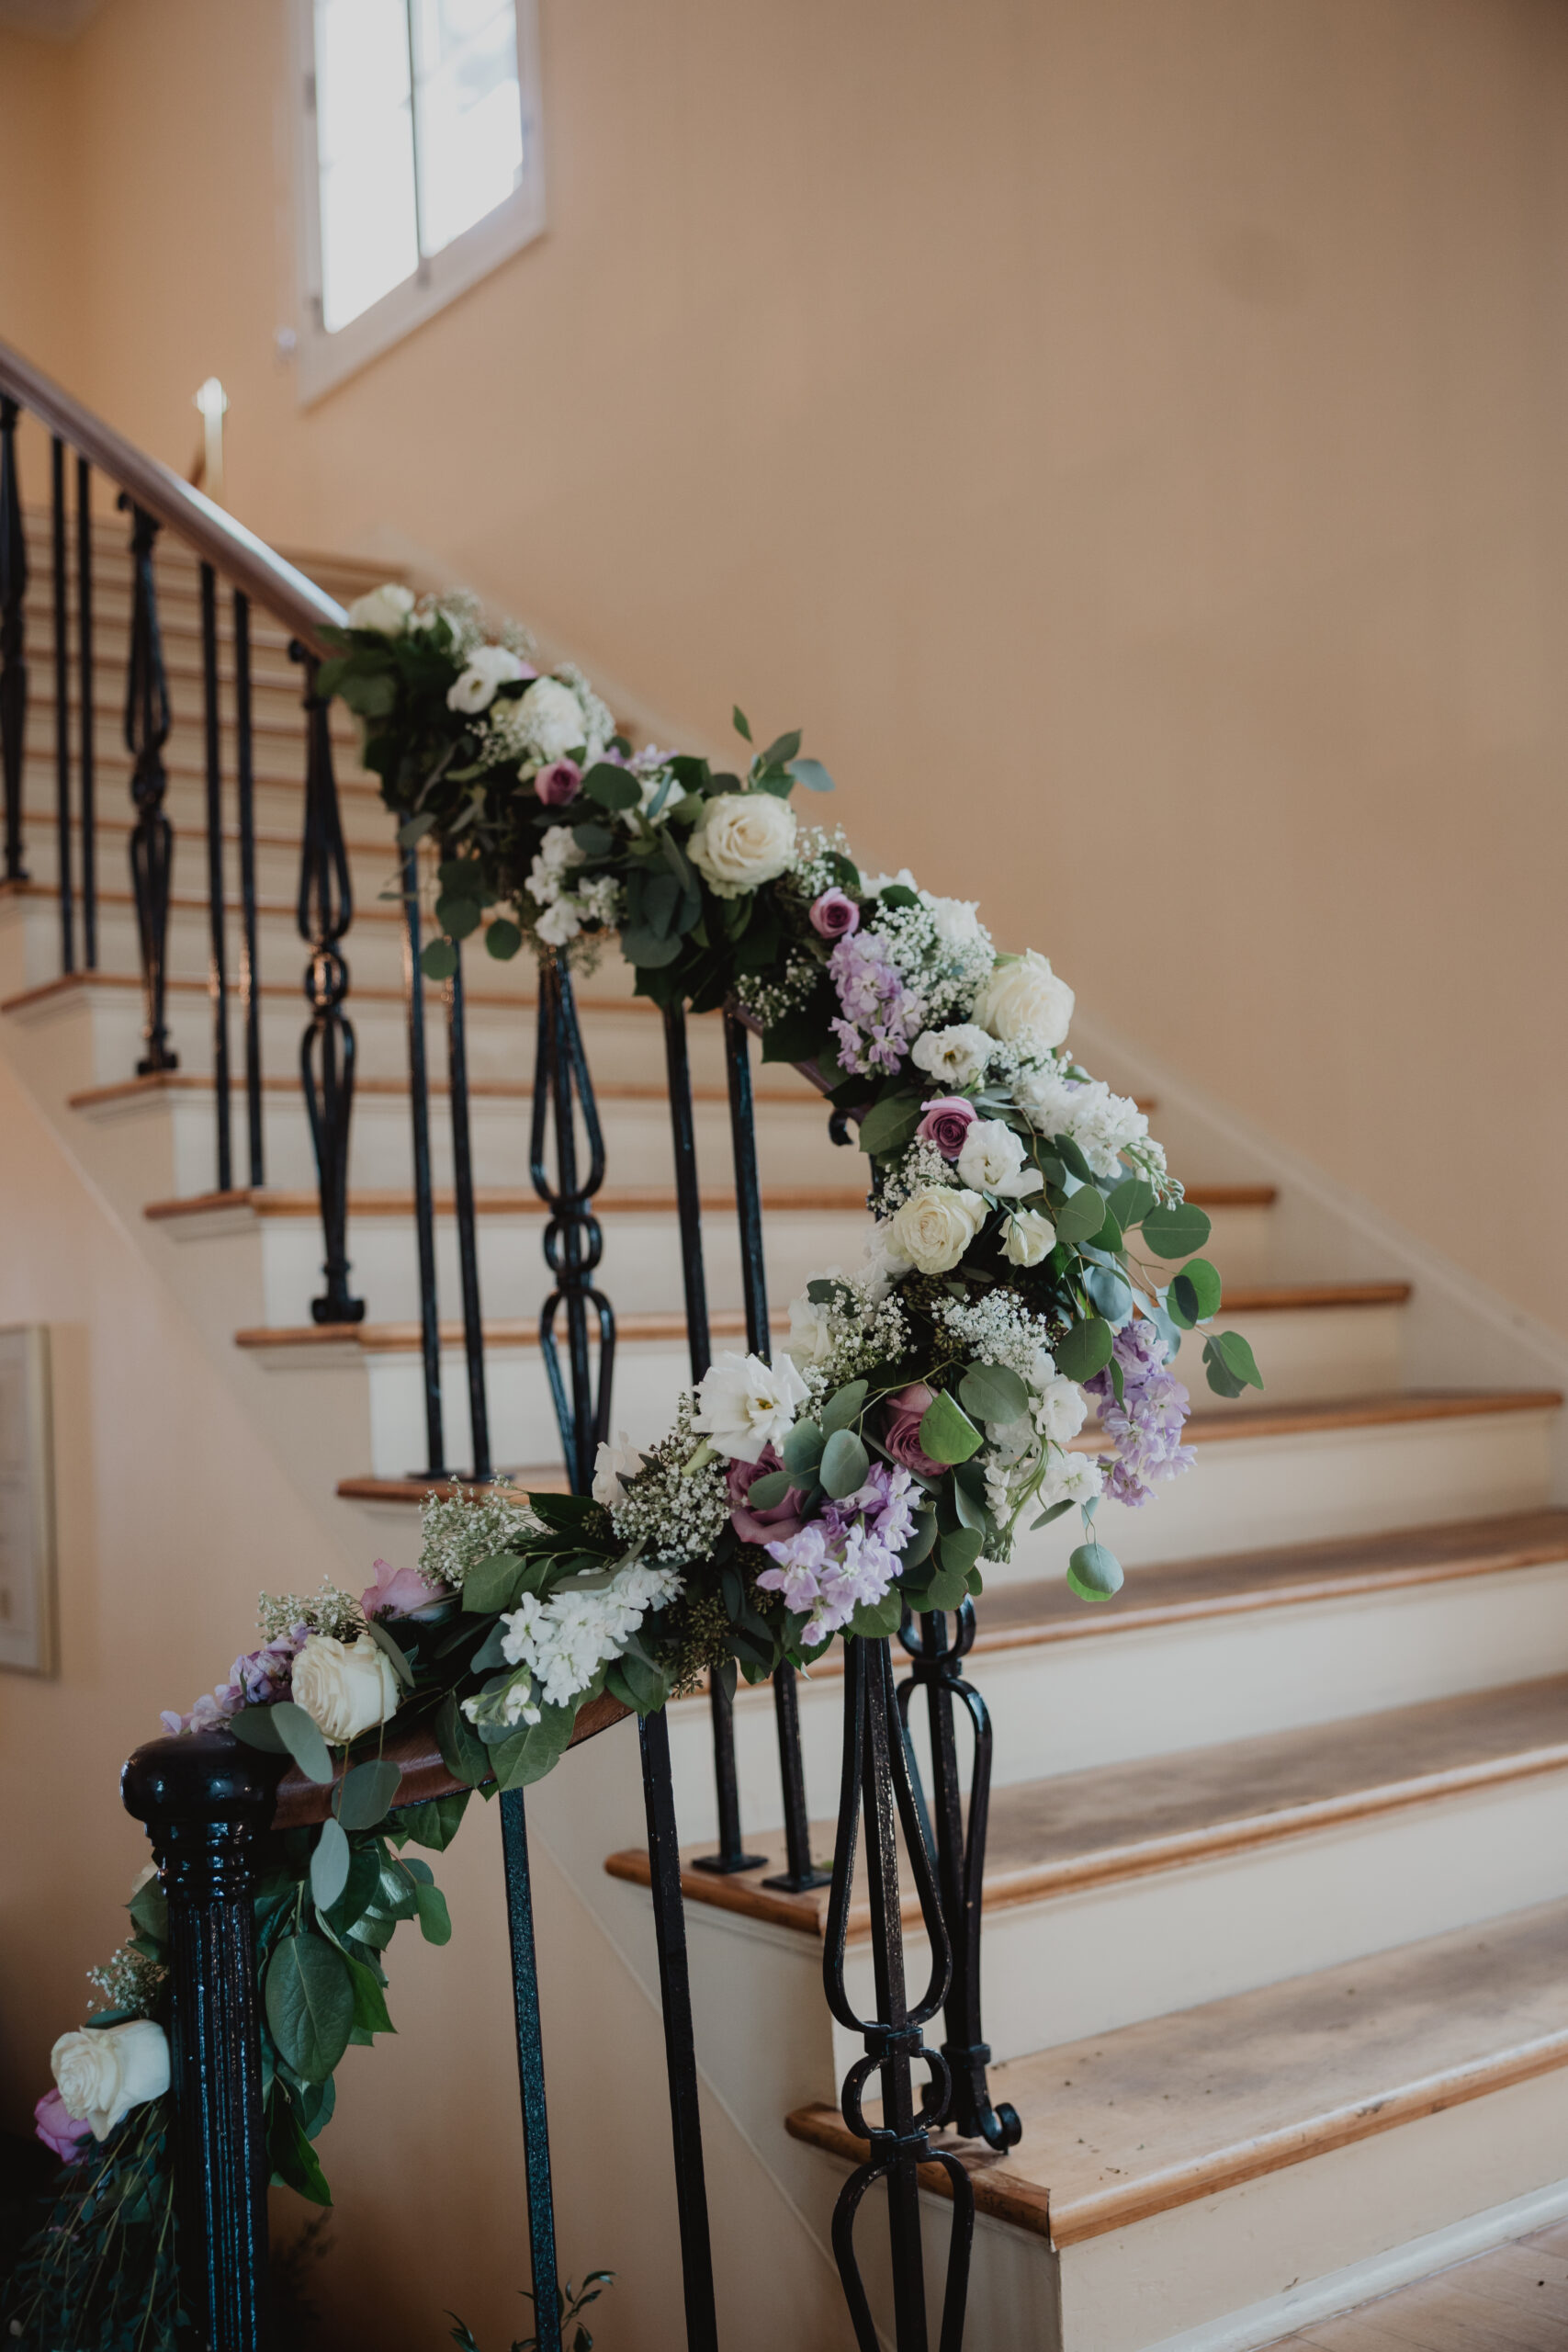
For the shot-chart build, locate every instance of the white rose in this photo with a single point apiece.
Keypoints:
(554, 720)
(935, 1226)
(489, 667)
(386, 610)
(102, 2075)
(957, 921)
(810, 1330)
(992, 1161)
(957, 1056)
(1022, 999)
(742, 840)
(1030, 1237)
(1060, 1411)
(744, 1403)
(612, 1465)
(346, 1688)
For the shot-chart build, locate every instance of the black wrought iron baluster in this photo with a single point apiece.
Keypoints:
(89, 749)
(152, 836)
(326, 1051)
(218, 961)
(531, 2070)
(13, 665)
(958, 1853)
(423, 1198)
(876, 1778)
(731, 1855)
(250, 963)
(207, 1802)
(62, 707)
(800, 1872)
(573, 1242)
(467, 1228)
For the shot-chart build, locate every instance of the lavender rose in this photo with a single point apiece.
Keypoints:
(901, 1433)
(780, 1520)
(559, 783)
(947, 1122)
(60, 2131)
(834, 916)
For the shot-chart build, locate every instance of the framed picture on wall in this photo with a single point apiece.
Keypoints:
(26, 1502)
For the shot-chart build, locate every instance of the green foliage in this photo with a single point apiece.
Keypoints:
(947, 1434)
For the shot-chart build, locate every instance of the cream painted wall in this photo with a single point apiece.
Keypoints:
(1134, 425)
(41, 242)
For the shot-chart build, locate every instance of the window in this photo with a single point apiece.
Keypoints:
(421, 165)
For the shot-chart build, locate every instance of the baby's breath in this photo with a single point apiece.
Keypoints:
(128, 1980)
(671, 1513)
(331, 1611)
(456, 1533)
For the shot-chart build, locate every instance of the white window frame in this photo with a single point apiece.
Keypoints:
(325, 360)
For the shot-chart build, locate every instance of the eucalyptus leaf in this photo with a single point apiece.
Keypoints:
(308, 1997)
(1046, 1517)
(920, 1542)
(435, 1921)
(256, 1728)
(1085, 1349)
(612, 786)
(303, 1741)
(890, 1123)
(740, 723)
(947, 1588)
(436, 1824)
(463, 1752)
(367, 1790)
(489, 1584)
(811, 774)
(845, 1464)
(877, 1621)
(1108, 1291)
(1131, 1200)
(1082, 1214)
(503, 939)
(947, 1434)
(648, 951)
(387, 1641)
(369, 1999)
(328, 1864)
(767, 1490)
(1094, 1573)
(439, 960)
(802, 1449)
(1176, 1231)
(844, 1405)
(961, 1548)
(993, 1392)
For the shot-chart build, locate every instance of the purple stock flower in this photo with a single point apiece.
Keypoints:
(257, 1680)
(847, 1555)
(1146, 1426)
(880, 1018)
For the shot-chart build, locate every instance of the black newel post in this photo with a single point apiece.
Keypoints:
(326, 1051)
(208, 1802)
(13, 667)
(957, 1845)
(153, 837)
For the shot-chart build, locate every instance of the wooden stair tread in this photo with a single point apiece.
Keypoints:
(1053, 1835)
(1362, 1412)
(481, 1089)
(503, 1201)
(547, 1479)
(1044, 1609)
(1127, 2124)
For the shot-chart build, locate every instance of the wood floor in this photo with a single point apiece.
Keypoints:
(1513, 2300)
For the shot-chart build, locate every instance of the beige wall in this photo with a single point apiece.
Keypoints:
(1131, 428)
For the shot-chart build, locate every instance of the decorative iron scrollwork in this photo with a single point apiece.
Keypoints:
(877, 1779)
(13, 666)
(957, 1850)
(573, 1243)
(325, 911)
(152, 836)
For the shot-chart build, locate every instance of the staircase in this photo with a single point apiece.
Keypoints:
(1277, 1889)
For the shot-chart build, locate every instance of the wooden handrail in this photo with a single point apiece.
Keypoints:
(412, 1748)
(244, 560)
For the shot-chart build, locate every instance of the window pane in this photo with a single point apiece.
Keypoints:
(365, 145)
(470, 113)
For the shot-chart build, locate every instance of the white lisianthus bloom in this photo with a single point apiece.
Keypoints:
(1030, 1237)
(1023, 1001)
(992, 1161)
(561, 922)
(934, 1228)
(612, 1465)
(488, 666)
(554, 720)
(742, 840)
(1060, 1411)
(102, 2074)
(346, 1688)
(1103, 1125)
(957, 920)
(744, 1405)
(810, 1330)
(958, 1057)
(386, 610)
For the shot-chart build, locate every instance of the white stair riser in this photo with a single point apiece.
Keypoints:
(1306, 1355)
(1156, 1690)
(372, 858)
(172, 1138)
(1309, 1484)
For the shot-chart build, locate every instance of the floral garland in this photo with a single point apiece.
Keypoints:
(1030, 1254)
